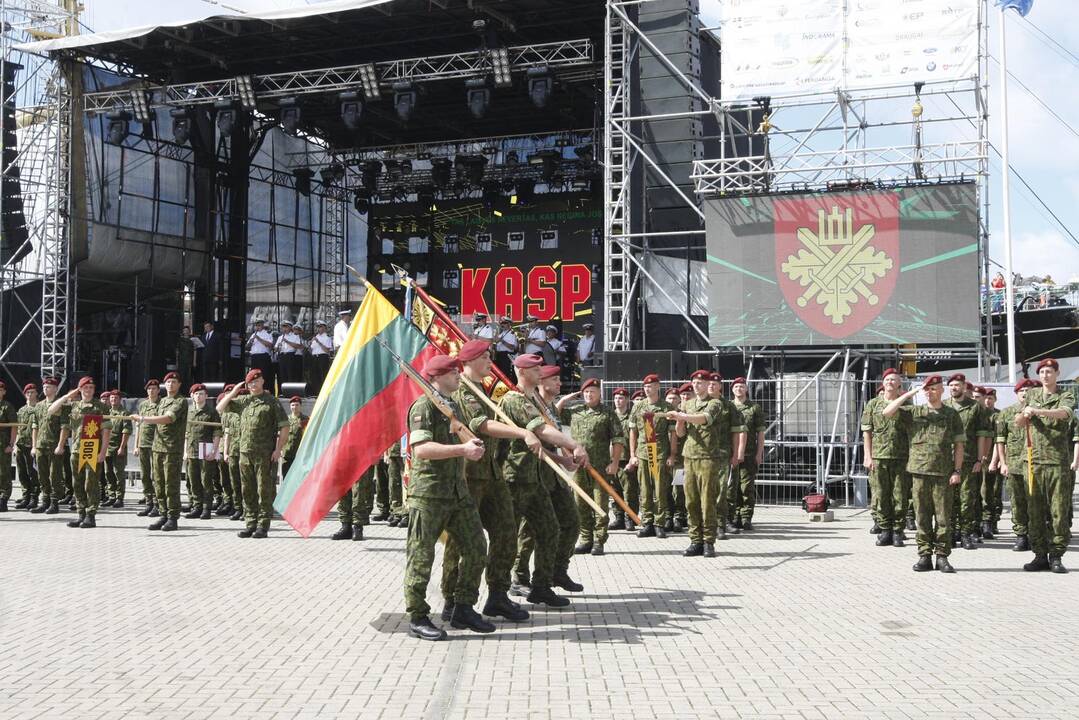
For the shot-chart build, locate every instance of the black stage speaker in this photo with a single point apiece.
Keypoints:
(631, 366)
(13, 232)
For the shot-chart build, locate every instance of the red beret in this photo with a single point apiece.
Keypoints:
(228, 388)
(549, 371)
(440, 365)
(152, 382)
(171, 376)
(86, 381)
(1049, 362)
(251, 375)
(637, 394)
(1025, 383)
(620, 391)
(739, 381)
(590, 382)
(295, 398)
(50, 381)
(673, 390)
(715, 377)
(473, 349)
(887, 372)
(970, 386)
(958, 377)
(196, 387)
(650, 378)
(27, 387)
(106, 395)
(700, 375)
(991, 392)
(529, 360)
(686, 388)
(933, 380)
(1035, 383)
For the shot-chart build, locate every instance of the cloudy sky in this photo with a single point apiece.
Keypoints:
(1043, 150)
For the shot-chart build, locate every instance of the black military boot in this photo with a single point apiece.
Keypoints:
(616, 523)
(885, 538)
(394, 521)
(447, 610)
(709, 550)
(597, 549)
(520, 589)
(466, 618)
(630, 525)
(1039, 563)
(582, 549)
(910, 524)
(170, 525)
(343, 533)
(647, 531)
(736, 524)
(541, 595)
(669, 525)
(383, 516)
(118, 503)
(747, 524)
(77, 522)
(89, 521)
(924, 564)
(33, 503)
(694, 550)
(357, 533)
(1022, 544)
(661, 531)
(246, 532)
(957, 538)
(146, 510)
(43, 507)
(159, 524)
(424, 629)
(1056, 565)
(24, 502)
(67, 500)
(987, 531)
(679, 526)
(564, 581)
(196, 512)
(404, 522)
(261, 532)
(238, 515)
(226, 509)
(875, 530)
(721, 532)
(207, 513)
(898, 538)
(968, 542)
(943, 565)
(3, 504)
(499, 605)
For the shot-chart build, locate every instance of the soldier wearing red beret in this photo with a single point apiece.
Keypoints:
(742, 498)
(652, 447)
(24, 446)
(203, 438)
(86, 476)
(1010, 459)
(966, 510)
(626, 480)
(7, 445)
(992, 501)
(116, 456)
(169, 419)
(886, 444)
(144, 443)
(297, 423)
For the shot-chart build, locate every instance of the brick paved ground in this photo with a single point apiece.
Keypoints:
(797, 620)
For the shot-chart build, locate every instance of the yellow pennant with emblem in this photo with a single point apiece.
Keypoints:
(651, 441)
(89, 441)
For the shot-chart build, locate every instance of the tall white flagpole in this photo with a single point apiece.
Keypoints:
(1009, 292)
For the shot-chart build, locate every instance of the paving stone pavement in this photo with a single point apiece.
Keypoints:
(794, 620)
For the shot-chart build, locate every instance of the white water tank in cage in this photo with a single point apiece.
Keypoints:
(799, 406)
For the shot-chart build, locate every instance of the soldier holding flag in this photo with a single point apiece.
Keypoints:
(651, 444)
(87, 423)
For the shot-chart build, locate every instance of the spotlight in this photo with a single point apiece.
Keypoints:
(406, 167)
(404, 100)
(226, 116)
(332, 173)
(302, 180)
(371, 170)
(290, 115)
(351, 109)
(548, 161)
(441, 170)
(119, 126)
(425, 196)
(393, 169)
(247, 91)
(369, 78)
(512, 159)
(492, 194)
(141, 106)
(181, 126)
(539, 86)
(361, 200)
(479, 97)
(471, 168)
(500, 64)
(526, 191)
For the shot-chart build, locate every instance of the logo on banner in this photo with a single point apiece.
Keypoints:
(838, 258)
(89, 441)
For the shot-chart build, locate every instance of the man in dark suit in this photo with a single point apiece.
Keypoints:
(213, 353)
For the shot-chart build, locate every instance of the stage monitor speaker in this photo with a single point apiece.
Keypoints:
(631, 366)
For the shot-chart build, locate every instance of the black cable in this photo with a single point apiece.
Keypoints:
(1039, 100)
(1048, 37)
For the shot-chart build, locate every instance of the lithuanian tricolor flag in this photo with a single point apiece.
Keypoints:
(359, 414)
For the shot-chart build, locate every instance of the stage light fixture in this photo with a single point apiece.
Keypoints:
(406, 167)
(393, 169)
(491, 195)
(471, 168)
(351, 109)
(290, 115)
(539, 86)
(425, 196)
(371, 170)
(301, 178)
(404, 100)
(119, 127)
(181, 125)
(141, 106)
(526, 191)
(512, 159)
(478, 95)
(548, 161)
(369, 78)
(441, 172)
(361, 200)
(500, 64)
(246, 89)
(227, 116)
(332, 173)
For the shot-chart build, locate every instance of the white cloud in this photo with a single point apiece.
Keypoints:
(1042, 252)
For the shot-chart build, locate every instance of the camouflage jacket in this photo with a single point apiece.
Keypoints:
(933, 434)
(25, 416)
(662, 425)
(7, 415)
(261, 419)
(119, 427)
(713, 438)
(197, 434)
(48, 426)
(520, 465)
(474, 412)
(79, 409)
(230, 427)
(890, 439)
(296, 425)
(753, 418)
(1051, 438)
(1014, 439)
(976, 424)
(146, 431)
(170, 438)
(596, 429)
(434, 479)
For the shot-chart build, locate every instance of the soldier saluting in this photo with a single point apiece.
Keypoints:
(171, 420)
(886, 446)
(87, 473)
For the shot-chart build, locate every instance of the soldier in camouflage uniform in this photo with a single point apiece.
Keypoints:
(354, 508)
(488, 488)
(230, 426)
(201, 465)
(979, 435)
(654, 484)
(714, 433)
(599, 430)
(395, 469)
(170, 421)
(677, 518)
(439, 501)
(116, 456)
(87, 479)
(626, 480)
(992, 502)
(24, 459)
(743, 494)
(936, 437)
(7, 446)
(144, 447)
(46, 448)
(263, 432)
(1011, 460)
(297, 423)
(1049, 413)
(886, 445)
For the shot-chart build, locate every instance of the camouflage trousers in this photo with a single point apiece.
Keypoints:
(382, 488)
(564, 506)
(237, 482)
(49, 475)
(395, 469)
(676, 498)
(1017, 491)
(355, 507)
(201, 475)
(223, 486)
(992, 501)
(593, 527)
(726, 476)
(742, 496)
(654, 491)
(933, 499)
(532, 503)
(86, 484)
(116, 475)
(702, 502)
(427, 520)
(258, 476)
(24, 464)
(1049, 509)
(146, 470)
(626, 485)
(167, 466)
(891, 486)
(965, 514)
(5, 471)
(492, 498)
